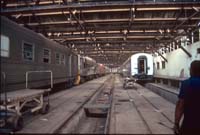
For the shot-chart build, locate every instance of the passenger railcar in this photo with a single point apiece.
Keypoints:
(23, 50)
(101, 70)
(139, 66)
(87, 70)
(90, 69)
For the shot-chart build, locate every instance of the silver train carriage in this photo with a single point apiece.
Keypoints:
(90, 69)
(138, 66)
(23, 50)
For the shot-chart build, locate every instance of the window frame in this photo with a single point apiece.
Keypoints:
(56, 58)
(8, 47)
(49, 62)
(33, 53)
(163, 65)
(62, 62)
(198, 50)
(158, 65)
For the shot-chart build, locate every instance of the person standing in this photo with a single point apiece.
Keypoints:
(188, 104)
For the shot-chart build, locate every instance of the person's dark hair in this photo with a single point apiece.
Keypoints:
(195, 68)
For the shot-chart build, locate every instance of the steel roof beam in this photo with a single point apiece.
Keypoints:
(188, 53)
(161, 56)
(113, 42)
(59, 7)
(111, 21)
(188, 18)
(109, 10)
(136, 48)
(117, 35)
(106, 28)
(78, 21)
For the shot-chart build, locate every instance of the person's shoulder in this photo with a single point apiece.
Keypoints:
(186, 80)
(194, 78)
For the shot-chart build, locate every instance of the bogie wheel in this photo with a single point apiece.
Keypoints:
(18, 123)
(45, 109)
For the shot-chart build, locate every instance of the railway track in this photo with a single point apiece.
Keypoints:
(155, 108)
(140, 114)
(29, 119)
(96, 121)
(146, 123)
(93, 113)
(75, 115)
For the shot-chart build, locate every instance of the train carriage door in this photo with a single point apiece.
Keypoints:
(142, 65)
(70, 65)
(81, 65)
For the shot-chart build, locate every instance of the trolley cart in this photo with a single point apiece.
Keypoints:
(16, 103)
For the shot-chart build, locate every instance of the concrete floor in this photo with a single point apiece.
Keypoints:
(63, 105)
(140, 112)
(133, 111)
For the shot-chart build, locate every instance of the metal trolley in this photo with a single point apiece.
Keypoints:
(16, 103)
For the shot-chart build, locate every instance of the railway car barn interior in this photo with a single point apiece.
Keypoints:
(100, 66)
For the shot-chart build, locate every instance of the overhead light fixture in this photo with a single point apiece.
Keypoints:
(125, 31)
(58, 34)
(49, 34)
(160, 31)
(74, 12)
(107, 44)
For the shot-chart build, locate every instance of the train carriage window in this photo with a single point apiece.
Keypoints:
(198, 50)
(46, 55)
(5, 45)
(163, 64)
(196, 35)
(158, 65)
(57, 58)
(63, 59)
(28, 51)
